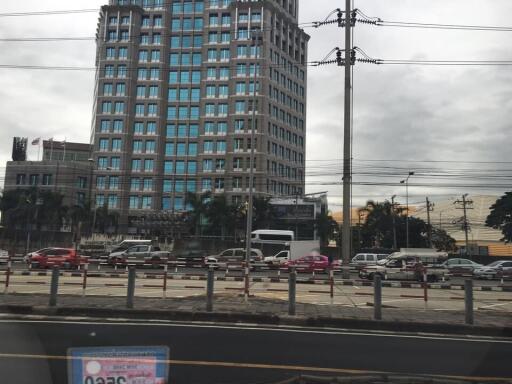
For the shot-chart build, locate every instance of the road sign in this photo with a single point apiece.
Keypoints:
(118, 365)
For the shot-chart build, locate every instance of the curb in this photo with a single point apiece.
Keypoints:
(261, 319)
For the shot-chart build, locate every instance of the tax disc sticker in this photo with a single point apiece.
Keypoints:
(118, 365)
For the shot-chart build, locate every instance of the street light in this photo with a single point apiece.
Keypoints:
(406, 182)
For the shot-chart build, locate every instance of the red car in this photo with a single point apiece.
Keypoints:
(66, 258)
(310, 263)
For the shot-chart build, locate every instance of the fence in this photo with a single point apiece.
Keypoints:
(292, 288)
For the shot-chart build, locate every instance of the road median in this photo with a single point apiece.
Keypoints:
(230, 309)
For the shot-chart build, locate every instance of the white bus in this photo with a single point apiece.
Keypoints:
(271, 236)
(271, 241)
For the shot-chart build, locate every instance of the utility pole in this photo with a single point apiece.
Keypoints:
(465, 225)
(406, 182)
(394, 221)
(430, 208)
(347, 152)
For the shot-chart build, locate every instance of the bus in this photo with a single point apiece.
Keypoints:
(271, 235)
(271, 241)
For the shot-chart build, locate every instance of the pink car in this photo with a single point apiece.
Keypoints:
(310, 263)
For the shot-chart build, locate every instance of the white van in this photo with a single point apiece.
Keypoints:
(363, 259)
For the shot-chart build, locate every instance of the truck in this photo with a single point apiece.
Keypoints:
(409, 264)
(296, 249)
(139, 255)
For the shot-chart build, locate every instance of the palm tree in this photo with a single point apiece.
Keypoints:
(326, 227)
(263, 212)
(198, 208)
(222, 217)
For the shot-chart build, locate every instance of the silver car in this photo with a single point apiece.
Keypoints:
(494, 270)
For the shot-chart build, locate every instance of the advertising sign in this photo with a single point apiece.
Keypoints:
(118, 365)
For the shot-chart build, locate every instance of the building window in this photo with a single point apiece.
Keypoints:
(167, 186)
(113, 183)
(116, 145)
(180, 167)
(149, 165)
(21, 179)
(115, 163)
(47, 179)
(134, 202)
(113, 201)
(118, 126)
(150, 146)
(148, 185)
(168, 167)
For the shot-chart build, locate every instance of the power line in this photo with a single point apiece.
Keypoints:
(387, 23)
(47, 13)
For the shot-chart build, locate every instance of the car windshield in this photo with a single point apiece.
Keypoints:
(494, 264)
(255, 191)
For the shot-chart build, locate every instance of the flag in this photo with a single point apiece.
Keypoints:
(36, 141)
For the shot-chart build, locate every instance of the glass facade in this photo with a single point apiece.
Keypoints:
(180, 120)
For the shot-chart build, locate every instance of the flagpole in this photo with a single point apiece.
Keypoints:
(64, 155)
(38, 149)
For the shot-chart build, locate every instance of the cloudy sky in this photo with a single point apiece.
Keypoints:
(450, 125)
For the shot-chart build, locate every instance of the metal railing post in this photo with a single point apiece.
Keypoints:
(209, 289)
(292, 280)
(54, 286)
(131, 287)
(377, 297)
(468, 301)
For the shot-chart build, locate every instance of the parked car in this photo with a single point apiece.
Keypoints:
(66, 258)
(363, 259)
(4, 256)
(139, 254)
(494, 270)
(408, 264)
(310, 263)
(233, 255)
(28, 257)
(462, 266)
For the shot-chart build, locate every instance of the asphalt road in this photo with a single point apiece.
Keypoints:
(34, 351)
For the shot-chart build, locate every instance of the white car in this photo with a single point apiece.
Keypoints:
(494, 270)
(4, 256)
(233, 255)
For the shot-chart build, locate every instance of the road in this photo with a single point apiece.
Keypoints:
(34, 351)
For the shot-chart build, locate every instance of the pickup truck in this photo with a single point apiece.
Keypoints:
(407, 266)
(278, 259)
(139, 254)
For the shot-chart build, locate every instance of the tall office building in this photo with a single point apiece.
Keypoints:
(178, 85)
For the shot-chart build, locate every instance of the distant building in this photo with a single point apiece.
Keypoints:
(299, 215)
(483, 240)
(57, 150)
(70, 177)
(180, 84)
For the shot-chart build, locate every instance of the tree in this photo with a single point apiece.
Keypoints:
(377, 231)
(263, 212)
(443, 241)
(106, 221)
(326, 228)
(500, 216)
(198, 207)
(221, 216)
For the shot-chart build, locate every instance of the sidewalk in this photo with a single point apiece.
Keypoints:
(232, 308)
